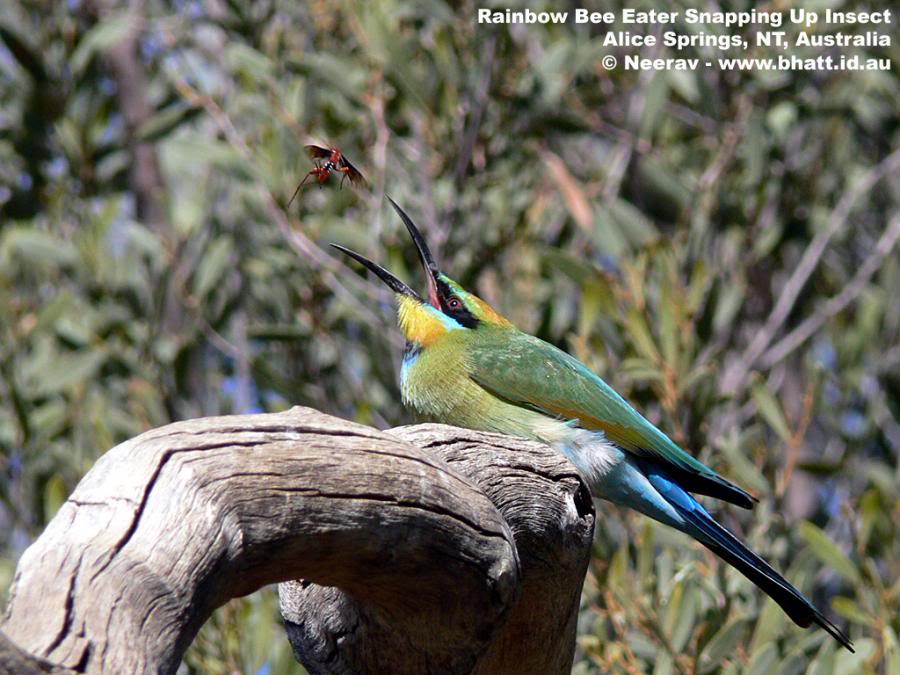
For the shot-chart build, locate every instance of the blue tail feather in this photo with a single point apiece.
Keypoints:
(700, 525)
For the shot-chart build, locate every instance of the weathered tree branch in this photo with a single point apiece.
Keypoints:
(550, 513)
(14, 661)
(408, 564)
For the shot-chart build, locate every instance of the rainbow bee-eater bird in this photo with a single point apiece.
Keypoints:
(466, 365)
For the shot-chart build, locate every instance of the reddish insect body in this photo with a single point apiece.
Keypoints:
(334, 161)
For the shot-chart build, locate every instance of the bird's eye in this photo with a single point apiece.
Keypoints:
(453, 303)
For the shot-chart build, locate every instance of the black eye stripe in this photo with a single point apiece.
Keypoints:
(453, 307)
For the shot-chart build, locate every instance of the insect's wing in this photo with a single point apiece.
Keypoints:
(356, 178)
(317, 152)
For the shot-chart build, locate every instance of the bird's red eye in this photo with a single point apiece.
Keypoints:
(453, 303)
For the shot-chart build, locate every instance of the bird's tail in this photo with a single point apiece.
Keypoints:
(700, 525)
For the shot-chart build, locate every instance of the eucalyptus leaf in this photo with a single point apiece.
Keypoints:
(771, 410)
(722, 645)
(110, 31)
(68, 370)
(215, 261)
(828, 552)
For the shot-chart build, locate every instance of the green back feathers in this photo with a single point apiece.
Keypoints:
(527, 371)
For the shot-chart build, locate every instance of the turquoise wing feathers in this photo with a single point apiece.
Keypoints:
(526, 371)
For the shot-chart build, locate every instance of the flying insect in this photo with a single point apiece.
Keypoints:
(334, 162)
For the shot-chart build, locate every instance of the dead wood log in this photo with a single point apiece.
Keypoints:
(410, 562)
(14, 661)
(551, 515)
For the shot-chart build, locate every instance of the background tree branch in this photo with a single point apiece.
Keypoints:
(813, 323)
(735, 376)
(406, 563)
(127, 71)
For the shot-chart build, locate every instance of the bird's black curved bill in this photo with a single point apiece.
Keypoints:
(389, 279)
(424, 254)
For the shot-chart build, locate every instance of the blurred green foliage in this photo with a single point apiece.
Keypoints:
(647, 222)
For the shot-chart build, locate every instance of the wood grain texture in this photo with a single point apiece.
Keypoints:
(14, 661)
(414, 548)
(551, 515)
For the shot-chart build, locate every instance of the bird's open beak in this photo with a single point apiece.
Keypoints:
(431, 270)
(392, 282)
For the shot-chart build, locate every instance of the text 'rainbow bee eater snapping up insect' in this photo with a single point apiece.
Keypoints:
(466, 365)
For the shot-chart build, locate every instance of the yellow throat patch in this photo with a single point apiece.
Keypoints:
(421, 323)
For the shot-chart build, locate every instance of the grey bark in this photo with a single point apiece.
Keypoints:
(551, 515)
(425, 549)
(14, 661)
